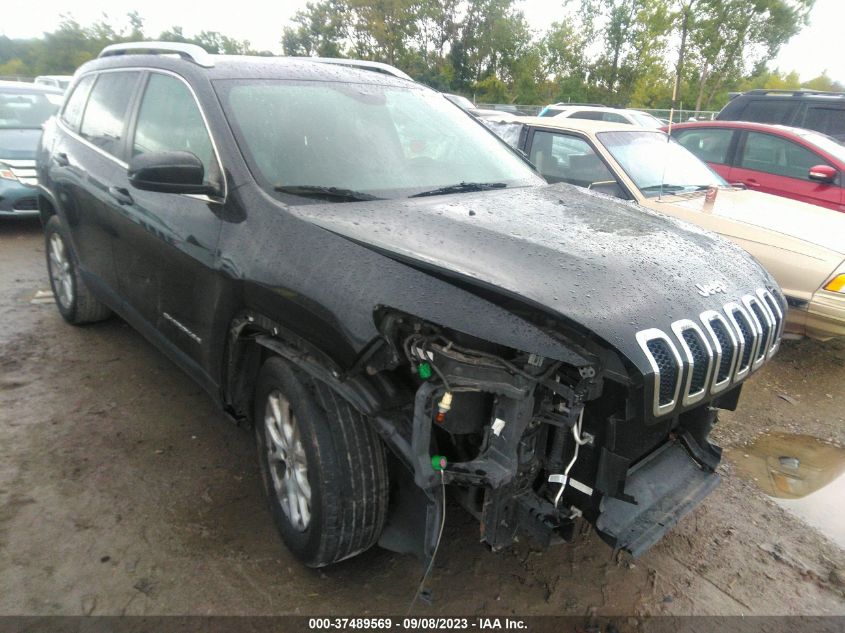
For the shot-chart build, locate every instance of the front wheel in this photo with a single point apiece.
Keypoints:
(323, 466)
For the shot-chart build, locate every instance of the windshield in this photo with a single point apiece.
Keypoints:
(825, 143)
(382, 141)
(655, 164)
(647, 120)
(20, 109)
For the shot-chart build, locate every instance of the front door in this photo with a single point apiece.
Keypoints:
(166, 246)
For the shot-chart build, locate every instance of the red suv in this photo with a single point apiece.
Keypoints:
(784, 161)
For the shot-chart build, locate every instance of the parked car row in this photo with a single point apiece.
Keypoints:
(24, 108)
(802, 245)
(399, 303)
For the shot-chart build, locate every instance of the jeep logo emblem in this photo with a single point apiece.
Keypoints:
(705, 290)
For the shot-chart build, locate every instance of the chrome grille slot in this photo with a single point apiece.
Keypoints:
(764, 324)
(746, 335)
(777, 316)
(698, 359)
(725, 346)
(666, 364)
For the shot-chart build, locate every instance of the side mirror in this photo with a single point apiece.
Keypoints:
(822, 173)
(169, 172)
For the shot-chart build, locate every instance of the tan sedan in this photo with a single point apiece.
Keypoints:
(802, 245)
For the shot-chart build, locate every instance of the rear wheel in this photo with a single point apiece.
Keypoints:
(75, 302)
(323, 466)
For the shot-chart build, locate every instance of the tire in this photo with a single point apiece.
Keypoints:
(344, 470)
(74, 300)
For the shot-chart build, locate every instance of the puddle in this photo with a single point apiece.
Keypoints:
(802, 474)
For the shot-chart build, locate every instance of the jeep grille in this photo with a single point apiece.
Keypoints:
(711, 356)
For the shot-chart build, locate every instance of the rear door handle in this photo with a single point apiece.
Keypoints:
(61, 159)
(121, 194)
(751, 182)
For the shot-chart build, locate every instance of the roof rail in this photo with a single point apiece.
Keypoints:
(191, 52)
(379, 67)
(798, 92)
(590, 105)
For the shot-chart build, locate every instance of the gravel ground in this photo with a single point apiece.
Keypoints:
(124, 491)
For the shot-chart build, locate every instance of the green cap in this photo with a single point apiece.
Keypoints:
(424, 370)
(438, 462)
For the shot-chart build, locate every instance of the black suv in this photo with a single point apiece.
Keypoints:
(808, 109)
(396, 301)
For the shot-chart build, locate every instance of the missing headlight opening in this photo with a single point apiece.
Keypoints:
(528, 444)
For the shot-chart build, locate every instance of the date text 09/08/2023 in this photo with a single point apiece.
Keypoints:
(412, 624)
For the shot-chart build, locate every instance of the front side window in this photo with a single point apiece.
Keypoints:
(590, 115)
(709, 144)
(105, 114)
(774, 155)
(566, 158)
(170, 120)
(25, 109)
(657, 164)
(72, 114)
(385, 141)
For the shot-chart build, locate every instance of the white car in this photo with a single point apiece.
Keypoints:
(602, 113)
(55, 81)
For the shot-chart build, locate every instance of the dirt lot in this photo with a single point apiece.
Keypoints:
(123, 491)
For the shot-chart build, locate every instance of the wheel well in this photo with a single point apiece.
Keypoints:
(45, 209)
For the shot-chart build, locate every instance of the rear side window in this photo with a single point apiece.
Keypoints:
(170, 120)
(72, 114)
(709, 144)
(830, 121)
(591, 115)
(768, 110)
(775, 155)
(105, 114)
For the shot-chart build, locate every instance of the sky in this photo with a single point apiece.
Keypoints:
(809, 53)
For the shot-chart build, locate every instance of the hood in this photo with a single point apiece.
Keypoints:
(791, 218)
(19, 144)
(612, 267)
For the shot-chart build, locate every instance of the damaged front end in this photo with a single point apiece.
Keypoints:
(528, 444)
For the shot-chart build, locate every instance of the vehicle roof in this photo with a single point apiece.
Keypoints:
(54, 76)
(249, 67)
(774, 128)
(23, 86)
(581, 125)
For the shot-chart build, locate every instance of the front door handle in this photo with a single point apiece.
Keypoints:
(61, 159)
(121, 194)
(751, 182)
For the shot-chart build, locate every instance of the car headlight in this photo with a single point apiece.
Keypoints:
(6, 172)
(837, 284)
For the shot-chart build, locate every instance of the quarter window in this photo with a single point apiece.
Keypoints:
(565, 158)
(72, 114)
(169, 120)
(830, 121)
(710, 145)
(775, 155)
(105, 113)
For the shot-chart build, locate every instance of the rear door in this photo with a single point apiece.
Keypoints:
(166, 244)
(776, 165)
(86, 162)
(711, 144)
(825, 118)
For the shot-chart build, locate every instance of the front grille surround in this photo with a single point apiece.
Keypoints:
(725, 346)
(747, 335)
(765, 326)
(714, 354)
(653, 335)
(687, 332)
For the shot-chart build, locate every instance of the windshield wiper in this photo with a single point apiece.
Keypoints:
(461, 187)
(675, 187)
(326, 192)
